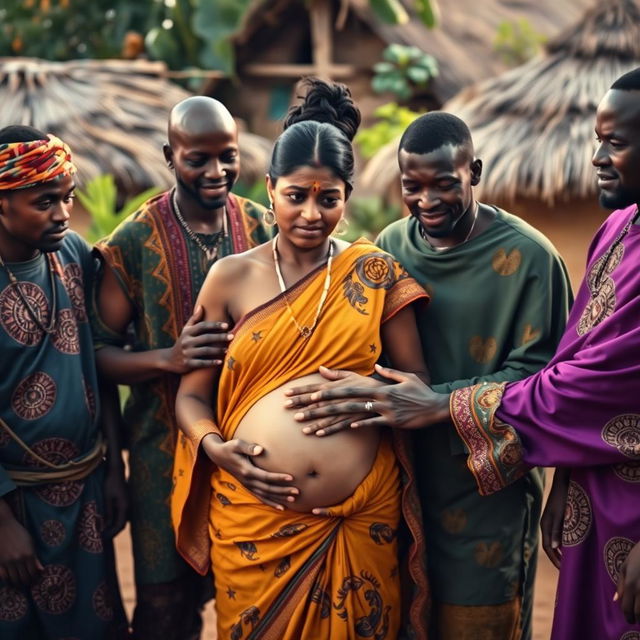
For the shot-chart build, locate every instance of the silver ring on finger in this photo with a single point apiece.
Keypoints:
(368, 406)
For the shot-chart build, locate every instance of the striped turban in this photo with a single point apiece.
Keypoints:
(26, 164)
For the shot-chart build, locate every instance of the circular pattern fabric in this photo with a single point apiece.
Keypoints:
(34, 396)
(628, 471)
(615, 553)
(614, 260)
(55, 590)
(599, 308)
(102, 602)
(53, 532)
(13, 604)
(578, 516)
(57, 451)
(623, 433)
(73, 283)
(630, 635)
(15, 317)
(90, 525)
(66, 338)
(376, 270)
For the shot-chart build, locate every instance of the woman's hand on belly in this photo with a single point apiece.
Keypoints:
(236, 457)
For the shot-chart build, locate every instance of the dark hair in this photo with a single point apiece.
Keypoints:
(20, 133)
(630, 81)
(318, 133)
(434, 130)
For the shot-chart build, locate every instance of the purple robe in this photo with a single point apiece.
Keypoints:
(581, 411)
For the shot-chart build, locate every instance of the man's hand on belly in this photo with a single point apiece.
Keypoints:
(236, 456)
(335, 420)
(408, 403)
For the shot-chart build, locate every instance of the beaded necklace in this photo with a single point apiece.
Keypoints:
(304, 331)
(211, 253)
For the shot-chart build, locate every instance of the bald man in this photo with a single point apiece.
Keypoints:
(154, 265)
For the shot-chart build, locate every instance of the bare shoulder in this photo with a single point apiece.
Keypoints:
(230, 271)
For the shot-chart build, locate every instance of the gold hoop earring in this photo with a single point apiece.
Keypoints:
(269, 217)
(341, 230)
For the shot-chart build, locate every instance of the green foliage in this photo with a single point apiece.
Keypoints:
(392, 121)
(517, 42)
(367, 217)
(100, 199)
(67, 29)
(256, 191)
(403, 70)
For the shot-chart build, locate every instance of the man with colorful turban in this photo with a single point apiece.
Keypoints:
(58, 500)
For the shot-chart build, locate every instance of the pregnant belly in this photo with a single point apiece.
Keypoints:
(326, 469)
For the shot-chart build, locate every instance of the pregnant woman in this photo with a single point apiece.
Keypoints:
(316, 555)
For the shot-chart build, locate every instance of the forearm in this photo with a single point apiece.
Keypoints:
(195, 416)
(119, 366)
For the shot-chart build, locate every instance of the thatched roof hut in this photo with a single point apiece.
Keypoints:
(533, 125)
(533, 128)
(112, 113)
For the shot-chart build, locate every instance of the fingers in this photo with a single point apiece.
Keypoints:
(212, 329)
(299, 398)
(376, 421)
(393, 374)
(333, 374)
(336, 408)
(321, 511)
(218, 340)
(550, 539)
(331, 425)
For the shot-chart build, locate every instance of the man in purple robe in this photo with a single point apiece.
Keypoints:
(580, 413)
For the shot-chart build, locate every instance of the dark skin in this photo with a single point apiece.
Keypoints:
(203, 154)
(309, 203)
(437, 188)
(412, 404)
(31, 221)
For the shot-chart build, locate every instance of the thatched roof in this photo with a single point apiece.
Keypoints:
(112, 113)
(462, 42)
(533, 125)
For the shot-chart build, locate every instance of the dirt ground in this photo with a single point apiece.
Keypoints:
(543, 609)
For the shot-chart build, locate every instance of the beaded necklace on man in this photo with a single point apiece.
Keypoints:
(210, 253)
(423, 233)
(35, 316)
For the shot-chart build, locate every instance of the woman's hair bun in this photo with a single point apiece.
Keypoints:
(326, 102)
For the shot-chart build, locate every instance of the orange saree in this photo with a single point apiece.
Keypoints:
(291, 575)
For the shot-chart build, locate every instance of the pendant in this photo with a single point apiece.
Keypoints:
(305, 332)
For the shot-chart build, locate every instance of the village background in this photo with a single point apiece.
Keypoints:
(525, 75)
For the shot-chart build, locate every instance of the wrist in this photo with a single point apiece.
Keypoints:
(164, 362)
(443, 411)
(210, 444)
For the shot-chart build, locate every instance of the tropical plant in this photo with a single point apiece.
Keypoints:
(182, 33)
(100, 198)
(516, 42)
(403, 70)
(368, 216)
(392, 120)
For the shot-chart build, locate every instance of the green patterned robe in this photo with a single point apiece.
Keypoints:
(161, 270)
(498, 309)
